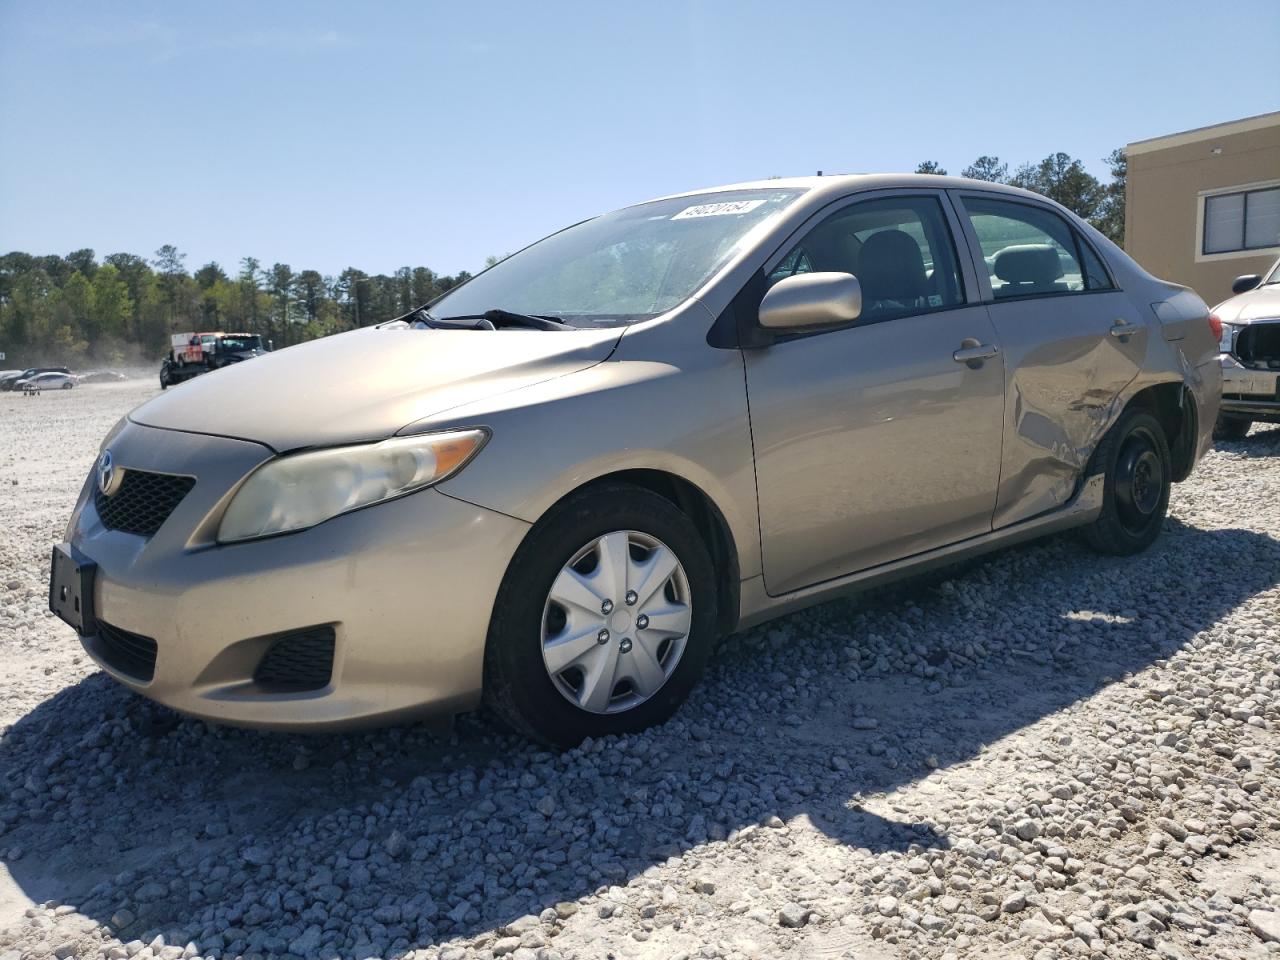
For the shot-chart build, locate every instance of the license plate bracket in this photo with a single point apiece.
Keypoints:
(71, 576)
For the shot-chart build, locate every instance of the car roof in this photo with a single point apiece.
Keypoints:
(831, 187)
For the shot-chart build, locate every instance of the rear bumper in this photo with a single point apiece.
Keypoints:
(407, 588)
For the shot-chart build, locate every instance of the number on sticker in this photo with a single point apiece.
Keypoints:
(724, 209)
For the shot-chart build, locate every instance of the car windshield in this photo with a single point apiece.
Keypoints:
(622, 267)
(1274, 275)
(242, 343)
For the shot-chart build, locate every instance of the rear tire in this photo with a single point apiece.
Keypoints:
(1137, 469)
(1231, 428)
(529, 628)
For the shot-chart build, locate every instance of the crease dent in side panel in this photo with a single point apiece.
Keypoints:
(1057, 448)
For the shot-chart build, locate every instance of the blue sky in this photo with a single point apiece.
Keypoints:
(378, 135)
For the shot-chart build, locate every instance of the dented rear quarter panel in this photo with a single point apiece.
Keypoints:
(1068, 379)
(1065, 382)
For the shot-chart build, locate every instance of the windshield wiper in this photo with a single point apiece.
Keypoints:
(493, 319)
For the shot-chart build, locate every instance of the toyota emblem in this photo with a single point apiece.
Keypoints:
(109, 478)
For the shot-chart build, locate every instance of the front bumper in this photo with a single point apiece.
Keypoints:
(1249, 392)
(407, 587)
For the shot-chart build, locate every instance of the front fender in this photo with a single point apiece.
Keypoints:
(684, 413)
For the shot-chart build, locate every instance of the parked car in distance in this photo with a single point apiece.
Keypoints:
(1250, 344)
(102, 376)
(45, 381)
(555, 484)
(10, 381)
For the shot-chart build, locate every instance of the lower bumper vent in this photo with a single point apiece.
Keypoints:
(296, 662)
(130, 653)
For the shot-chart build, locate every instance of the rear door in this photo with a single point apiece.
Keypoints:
(1072, 342)
(876, 441)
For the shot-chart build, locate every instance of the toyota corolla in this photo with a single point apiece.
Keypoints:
(553, 486)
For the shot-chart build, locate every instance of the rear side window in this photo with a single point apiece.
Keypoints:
(1095, 274)
(900, 249)
(1029, 251)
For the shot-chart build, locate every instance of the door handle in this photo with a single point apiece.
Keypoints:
(973, 351)
(1122, 329)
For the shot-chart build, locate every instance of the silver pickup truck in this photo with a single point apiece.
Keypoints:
(1250, 354)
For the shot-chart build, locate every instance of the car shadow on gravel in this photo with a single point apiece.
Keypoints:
(1263, 441)
(378, 843)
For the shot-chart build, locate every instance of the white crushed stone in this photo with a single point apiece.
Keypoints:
(1046, 754)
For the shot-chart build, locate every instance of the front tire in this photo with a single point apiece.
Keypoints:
(605, 619)
(1137, 468)
(1231, 428)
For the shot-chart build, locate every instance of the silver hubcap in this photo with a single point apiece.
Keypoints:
(616, 622)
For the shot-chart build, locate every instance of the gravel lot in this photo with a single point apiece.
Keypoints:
(1047, 754)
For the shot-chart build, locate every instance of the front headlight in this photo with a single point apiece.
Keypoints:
(299, 491)
(1227, 341)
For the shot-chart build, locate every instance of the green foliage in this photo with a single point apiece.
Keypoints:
(1110, 217)
(1061, 177)
(987, 168)
(932, 166)
(77, 310)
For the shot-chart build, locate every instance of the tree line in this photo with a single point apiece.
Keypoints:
(75, 309)
(1063, 178)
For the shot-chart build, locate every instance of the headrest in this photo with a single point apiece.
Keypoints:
(890, 267)
(1035, 263)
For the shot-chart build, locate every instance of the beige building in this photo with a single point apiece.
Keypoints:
(1203, 206)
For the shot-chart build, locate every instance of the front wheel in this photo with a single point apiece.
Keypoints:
(1134, 457)
(1231, 428)
(605, 619)
(68, 385)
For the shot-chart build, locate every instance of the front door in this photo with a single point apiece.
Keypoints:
(875, 442)
(1071, 343)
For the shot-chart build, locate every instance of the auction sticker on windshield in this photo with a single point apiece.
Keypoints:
(718, 209)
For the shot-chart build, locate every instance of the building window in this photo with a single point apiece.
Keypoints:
(1248, 220)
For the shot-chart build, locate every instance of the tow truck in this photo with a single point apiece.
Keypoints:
(191, 354)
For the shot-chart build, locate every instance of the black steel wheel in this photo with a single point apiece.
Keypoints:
(1137, 469)
(1139, 480)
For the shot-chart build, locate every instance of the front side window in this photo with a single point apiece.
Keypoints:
(1248, 220)
(1029, 251)
(899, 248)
(625, 266)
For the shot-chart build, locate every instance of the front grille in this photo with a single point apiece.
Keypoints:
(297, 661)
(143, 502)
(1258, 345)
(130, 653)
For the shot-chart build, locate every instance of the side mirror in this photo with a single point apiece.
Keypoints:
(1246, 283)
(809, 301)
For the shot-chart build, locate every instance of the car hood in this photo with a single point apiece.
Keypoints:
(369, 383)
(1262, 303)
